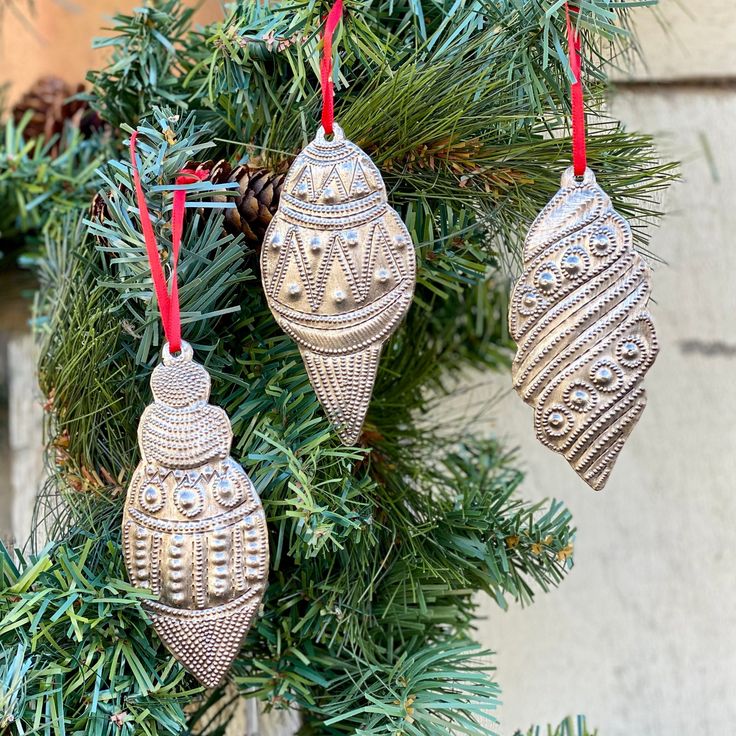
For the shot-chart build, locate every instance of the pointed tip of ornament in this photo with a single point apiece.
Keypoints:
(596, 465)
(599, 482)
(343, 384)
(598, 476)
(207, 642)
(350, 436)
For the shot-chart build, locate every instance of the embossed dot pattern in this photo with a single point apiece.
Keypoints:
(584, 337)
(194, 531)
(339, 271)
(180, 383)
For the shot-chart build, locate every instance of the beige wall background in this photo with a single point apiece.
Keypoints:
(55, 37)
(640, 637)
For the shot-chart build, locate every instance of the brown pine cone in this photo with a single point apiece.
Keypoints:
(48, 99)
(255, 206)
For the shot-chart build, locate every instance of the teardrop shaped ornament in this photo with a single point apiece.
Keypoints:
(584, 337)
(194, 531)
(339, 271)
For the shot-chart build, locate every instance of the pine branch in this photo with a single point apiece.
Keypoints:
(440, 688)
(90, 661)
(36, 181)
(144, 64)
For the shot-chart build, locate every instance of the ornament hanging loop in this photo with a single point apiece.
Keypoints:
(570, 178)
(168, 300)
(184, 354)
(328, 90)
(579, 156)
(337, 135)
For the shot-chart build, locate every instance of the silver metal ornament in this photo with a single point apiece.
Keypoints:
(339, 271)
(194, 531)
(585, 340)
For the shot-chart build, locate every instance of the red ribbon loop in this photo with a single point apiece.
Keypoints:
(579, 158)
(168, 303)
(328, 92)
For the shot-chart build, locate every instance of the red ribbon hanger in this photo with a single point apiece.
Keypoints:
(579, 158)
(168, 302)
(328, 92)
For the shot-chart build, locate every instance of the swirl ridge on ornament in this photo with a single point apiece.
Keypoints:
(584, 337)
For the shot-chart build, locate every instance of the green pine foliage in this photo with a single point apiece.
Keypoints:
(84, 655)
(378, 551)
(36, 181)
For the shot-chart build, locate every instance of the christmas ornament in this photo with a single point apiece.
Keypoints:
(194, 531)
(578, 316)
(338, 265)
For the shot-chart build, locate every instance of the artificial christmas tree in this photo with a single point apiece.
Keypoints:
(377, 550)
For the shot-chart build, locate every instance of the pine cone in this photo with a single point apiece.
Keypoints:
(260, 191)
(48, 99)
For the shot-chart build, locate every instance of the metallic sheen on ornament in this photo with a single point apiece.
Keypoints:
(194, 532)
(584, 337)
(339, 271)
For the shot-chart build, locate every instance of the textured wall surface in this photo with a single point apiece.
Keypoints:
(686, 39)
(54, 37)
(641, 635)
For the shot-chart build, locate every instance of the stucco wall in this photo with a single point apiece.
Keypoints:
(686, 40)
(54, 37)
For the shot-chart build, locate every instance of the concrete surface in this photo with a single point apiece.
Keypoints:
(25, 423)
(20, 410)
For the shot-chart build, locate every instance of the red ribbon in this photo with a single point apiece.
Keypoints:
(168, 303)
(328, 92)
(579, 158)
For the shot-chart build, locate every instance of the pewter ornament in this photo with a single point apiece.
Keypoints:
(194, 531)
(339, 271)
(584, 337)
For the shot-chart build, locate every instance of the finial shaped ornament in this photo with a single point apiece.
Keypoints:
(339, 271)
(194, 531)
(584, 337)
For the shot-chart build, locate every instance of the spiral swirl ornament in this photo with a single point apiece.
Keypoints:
(194, 531)
(584, 337)
(338, 269)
